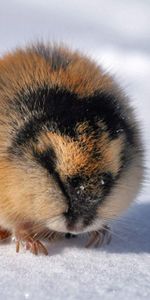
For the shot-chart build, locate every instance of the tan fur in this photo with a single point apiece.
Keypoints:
(126, 189)
(21, 198)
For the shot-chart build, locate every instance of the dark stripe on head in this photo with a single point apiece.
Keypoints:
(59, 110)
(47, 159)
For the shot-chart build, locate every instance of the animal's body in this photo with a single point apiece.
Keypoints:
(70, 148)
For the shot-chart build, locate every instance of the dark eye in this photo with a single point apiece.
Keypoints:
(106, 179)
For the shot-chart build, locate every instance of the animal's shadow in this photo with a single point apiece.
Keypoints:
(134, 231)
(131, 234)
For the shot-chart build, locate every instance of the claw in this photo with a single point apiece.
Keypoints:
(24, 236)
(30, 241)
(42, 248)
(17, 246)
(97, 238)
(34, 246)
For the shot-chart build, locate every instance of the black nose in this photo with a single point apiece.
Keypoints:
(71, 216)
(77, 219)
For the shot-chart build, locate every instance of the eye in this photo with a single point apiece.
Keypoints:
(106, 179)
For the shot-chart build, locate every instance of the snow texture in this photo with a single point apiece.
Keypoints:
(117, 34)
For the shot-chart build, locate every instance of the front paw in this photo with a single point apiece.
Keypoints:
(34, 246)
(25, 237)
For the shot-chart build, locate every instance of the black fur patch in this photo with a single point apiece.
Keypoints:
(80, 210)
(75, 181)
(47, 159)
(107, 181)
(82, 203)
(60, 110)
(28, 131)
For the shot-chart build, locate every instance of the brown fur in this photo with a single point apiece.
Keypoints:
(23, 69)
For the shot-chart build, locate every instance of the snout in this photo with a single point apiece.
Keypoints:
(74, 221)
(78, 219)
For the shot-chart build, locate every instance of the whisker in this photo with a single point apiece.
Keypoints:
(113, 233)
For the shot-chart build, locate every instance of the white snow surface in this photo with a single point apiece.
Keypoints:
(116, 34)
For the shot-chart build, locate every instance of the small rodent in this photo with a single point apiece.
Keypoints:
(71, 155)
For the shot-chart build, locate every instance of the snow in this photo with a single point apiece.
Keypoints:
(115, 33)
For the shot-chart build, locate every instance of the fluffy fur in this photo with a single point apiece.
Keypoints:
(70, 149)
